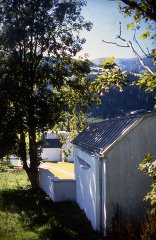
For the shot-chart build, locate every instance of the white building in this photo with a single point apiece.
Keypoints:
(107, 156)
(51, 149)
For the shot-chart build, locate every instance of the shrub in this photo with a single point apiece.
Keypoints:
(148, 227)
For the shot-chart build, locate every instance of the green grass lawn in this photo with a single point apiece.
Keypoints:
(62, 165)
(25, 215)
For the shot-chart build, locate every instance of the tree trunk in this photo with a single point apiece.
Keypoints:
(33, 172)
(33, 175)
(23, 151)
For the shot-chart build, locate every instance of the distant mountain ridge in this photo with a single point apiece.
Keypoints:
(128, 64)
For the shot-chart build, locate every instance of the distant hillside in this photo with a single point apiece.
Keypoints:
(116, 103)
(128, 64)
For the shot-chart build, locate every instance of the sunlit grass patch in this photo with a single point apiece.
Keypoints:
(14, 180)
(61, 170)
(62, 165)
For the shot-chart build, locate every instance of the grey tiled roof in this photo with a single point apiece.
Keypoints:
(52, 143)
(99, 136)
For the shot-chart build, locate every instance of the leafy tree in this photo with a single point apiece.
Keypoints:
(8, 134)
(148, 166)
(40, 80)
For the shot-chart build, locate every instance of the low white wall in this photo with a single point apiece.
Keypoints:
(15, 161)
(58, 190)
(51, 154)
(87, 186)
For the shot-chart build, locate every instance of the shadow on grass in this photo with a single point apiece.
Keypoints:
(56, 221)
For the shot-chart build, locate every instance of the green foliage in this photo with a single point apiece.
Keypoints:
(145, 35)
(148, 167)
(147, 81)
(130, 25)
(68, 128)
(139, 9)
(111, 76)
(5, 164)
(12, 180)
(8, 134)
(108, 63)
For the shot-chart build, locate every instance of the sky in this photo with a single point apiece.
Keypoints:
(105, 18)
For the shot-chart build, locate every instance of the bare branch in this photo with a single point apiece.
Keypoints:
(120, 32)
(115, 44)
(129, 44)
(141, 60)
(120, 29)
(135, 40)
(149, 52)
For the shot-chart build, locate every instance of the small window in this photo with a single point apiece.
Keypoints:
(83, 164)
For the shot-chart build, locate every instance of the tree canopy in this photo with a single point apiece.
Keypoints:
(40, 79)
(140, 9)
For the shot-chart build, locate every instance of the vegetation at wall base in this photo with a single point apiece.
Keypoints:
(26, 215)
(146, 230)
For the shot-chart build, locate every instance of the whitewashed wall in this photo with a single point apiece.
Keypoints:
(51, 154)
(15, 161)
(87, 186)
(57, 190)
